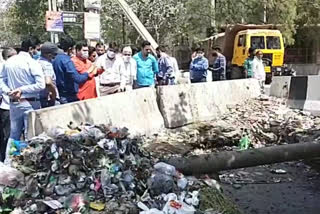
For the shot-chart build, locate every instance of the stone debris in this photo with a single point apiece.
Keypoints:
(265, 122)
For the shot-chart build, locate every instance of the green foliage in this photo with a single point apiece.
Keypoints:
(170, 22)
(28, 18)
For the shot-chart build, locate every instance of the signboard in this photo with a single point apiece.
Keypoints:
(54, 21)
(69, 17)
(92, 26)
(92, 4)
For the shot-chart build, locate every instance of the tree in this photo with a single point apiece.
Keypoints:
(28, 18)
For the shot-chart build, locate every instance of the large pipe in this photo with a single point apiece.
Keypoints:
(211, 163)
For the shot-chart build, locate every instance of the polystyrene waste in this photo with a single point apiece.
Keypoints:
(165, 169)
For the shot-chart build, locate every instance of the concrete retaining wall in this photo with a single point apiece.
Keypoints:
(302, 92)
(280, 86)
(136, 110)
(140, 109)
(185, 104)
(306, 69)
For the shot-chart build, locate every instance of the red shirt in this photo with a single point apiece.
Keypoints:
(87, 90)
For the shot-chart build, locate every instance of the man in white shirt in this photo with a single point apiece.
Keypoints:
(5, 109)
(22, 79)
(258, 69)
(127, 67)
(109, 81)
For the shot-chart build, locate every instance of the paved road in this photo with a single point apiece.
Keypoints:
(296, 192)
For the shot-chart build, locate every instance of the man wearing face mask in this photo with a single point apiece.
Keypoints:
(68, 78)
(109, 81)
(49, 96)
(147, 66)
(127, 67)
(22, 79)
(199, 67)
(88, 89)
(36, 52)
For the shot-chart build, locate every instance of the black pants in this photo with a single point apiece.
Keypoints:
(4, 132)
(199, 80)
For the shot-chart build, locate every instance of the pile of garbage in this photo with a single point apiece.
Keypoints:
(93, 169)
(256, 123)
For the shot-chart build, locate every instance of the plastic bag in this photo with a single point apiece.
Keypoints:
(17, 147)
(161, 184)
(10, 176)
(165, 169)
(146, 210)
(245, 143)
(173, 206)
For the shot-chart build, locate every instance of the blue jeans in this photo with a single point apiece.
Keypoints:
(19, 117)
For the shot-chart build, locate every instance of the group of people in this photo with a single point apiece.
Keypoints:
(199, 66)
(45, 75)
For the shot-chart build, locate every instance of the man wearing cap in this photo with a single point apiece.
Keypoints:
(5, 109)
(127, 67)
(49, 96)
(22, 79)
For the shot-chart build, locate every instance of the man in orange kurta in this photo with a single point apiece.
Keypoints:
(87, 90)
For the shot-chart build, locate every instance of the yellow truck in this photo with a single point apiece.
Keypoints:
(237, 40)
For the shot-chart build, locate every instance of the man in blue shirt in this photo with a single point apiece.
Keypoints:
(22, 79)
(68, 78)
(199, 67)
(147, 66)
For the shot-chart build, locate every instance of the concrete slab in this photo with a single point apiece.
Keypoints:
(280, 86)
(312, 103)
(298, 92)
(136, 110)
(184, 104)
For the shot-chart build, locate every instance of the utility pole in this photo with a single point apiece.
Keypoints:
(50, 9)
(54, 8)
(265, 12)
(213, 8)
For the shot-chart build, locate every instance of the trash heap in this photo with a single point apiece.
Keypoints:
(95, 169)
(260, 122)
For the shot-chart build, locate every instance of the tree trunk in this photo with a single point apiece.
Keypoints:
(212, 163)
